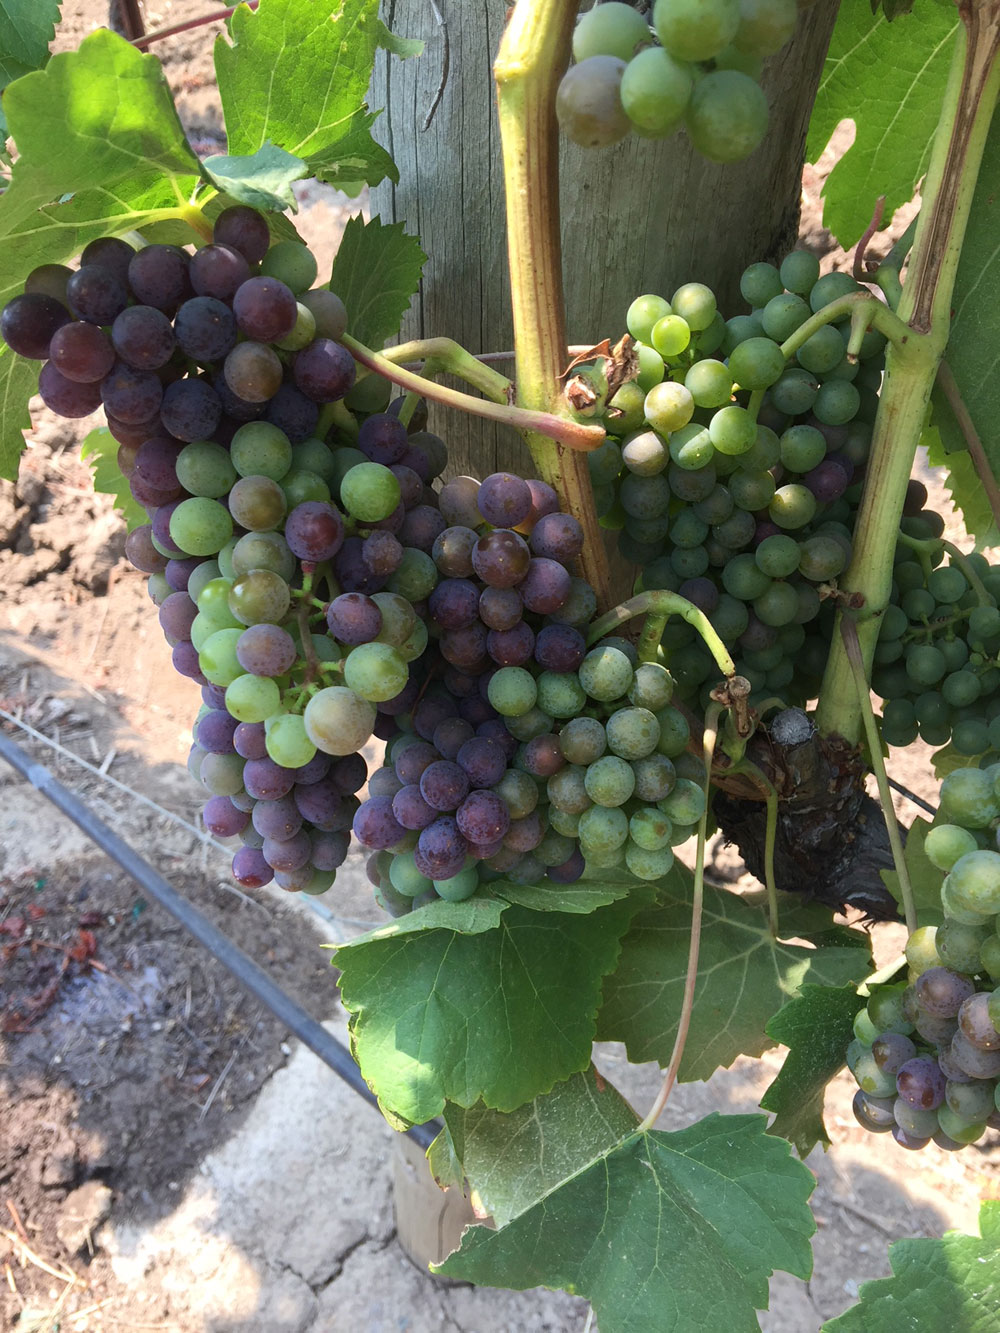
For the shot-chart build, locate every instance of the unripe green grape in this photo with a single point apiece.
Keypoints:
(415, 576)
(829, 288)
(398, 618)
(526, 726)
(602, 828)
(291, 263)
(625, 409)
(588, 102)
(837, 402)
(302, 334)
(655, 92)
(777, 605)
(610, 29)
(252, 698)
(709, 383)
(259, 449)
(646, 310)
(821, 558)
(696, 29)
(213, 604)
(732, 430)
(865, 1030)
(605, 673)
(691, 447)
(793, 506)
(259, 597)
(583, 740)
(668, 406)
(375, 671)
(200, 526)
(671, 335)
(649, 865)
(799, 270)
(632, 733)
(560, 694)
(731, 57)
(795, 392)
(759, 284)
(652, 687)
(695, 303)
(645, 453)
(406, 878)
(205, 469)
(328, 311)
(609, 781)
(708, 341)
(674, 732)
(685, 804)
(338, 721)
(822, 352)
(217, 659)
(650, 829)
(967, 797)
(512, 691)
(369, 492)
(222, 774)
(958, 1127)
(974, 880)
(298, 486)
(727, 116)
(777, 556)
(989, 957)
(651, 367)
(802, 448)
(960, 945)
(287, 742)
(756, 363)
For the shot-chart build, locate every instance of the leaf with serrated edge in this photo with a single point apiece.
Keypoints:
(356, 159)
(26, 28)
(744, 977)
(470, 917)
(951, 1282)
(666, 1233)
(18, 381)
(100, 450)
(296, 74)
(961, 480)
(925, 878)
(888, 78)
(501, 1016)
(580, 897)
(261, 180)
(376, 273)
(511, 1161)
(816, 1027)
(92, 118)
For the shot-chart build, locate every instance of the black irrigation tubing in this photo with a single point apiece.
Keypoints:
(243, 968)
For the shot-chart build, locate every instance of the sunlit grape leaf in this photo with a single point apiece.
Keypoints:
(925, 878)
(296, 73)
(262, 180)
(951, 1282)
(972, 357)
(502, 1015)
(26, 28)
(356, 160)
(512, 1160)
(665, 1233)
(744, 976)
(471, 917)
(100, 450)
(961, 479)
(18, 381)
(888, 78)
(816, 1027)
(101, 116)
(376, 273)
(584, 896)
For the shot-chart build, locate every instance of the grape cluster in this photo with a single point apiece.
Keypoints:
(702, 76)
(937, 660)
(926, 1055)
(733, 476)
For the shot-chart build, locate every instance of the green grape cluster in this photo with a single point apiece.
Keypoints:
(732, 475)
(926, 1055)
(697, 69)
(937, 660)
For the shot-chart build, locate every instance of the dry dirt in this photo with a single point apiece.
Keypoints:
(167, 1160)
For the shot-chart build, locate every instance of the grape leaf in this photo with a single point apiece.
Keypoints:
(262, 180)
(925, 878)
(584, 896)
(502, 1015)
(947, 759)
(937, 1283)
(18, 381)
(95, 117)
(512, 1160)
(471, 917)
(744, 976)
(665, 1233)
(376, 273)
(888, 78)
(26, 28)
(961, 478)
(816, 1027)
(296, 74)
(356, 159)
(100, 450)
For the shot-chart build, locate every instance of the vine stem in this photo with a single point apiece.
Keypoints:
(573, 435)
(158, 34)
(697, 905)
(912, 366)
(533, 54)
(849, 634)
(658, 604)
(446, 355)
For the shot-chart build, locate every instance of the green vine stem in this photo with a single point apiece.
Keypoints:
(912, 366)
(534, 51)
(927, 546)
(852, 648)
(445, 356)
(658, 604)
(697, 904)
(573, 436)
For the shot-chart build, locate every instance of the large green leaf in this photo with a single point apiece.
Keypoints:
(512, 1160)
(100, 450)
(376, 273)
(583, 896)
(26, 28)
(296, 74)
(925, 877)
(816, 1027)
(262, 180)
(665, 1233)
(502, 1015)
(744, 976)
(94, 117)
(961, 478)
(889, 79)
(18, 381)
(947, 1283)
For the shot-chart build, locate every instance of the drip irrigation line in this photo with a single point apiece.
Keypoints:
(912, 796)
(243, 968)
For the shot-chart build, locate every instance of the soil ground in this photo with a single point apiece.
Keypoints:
(169, 1159)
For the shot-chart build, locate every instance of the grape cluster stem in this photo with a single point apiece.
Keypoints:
(658, 604)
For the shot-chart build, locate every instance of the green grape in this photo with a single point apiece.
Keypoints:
(655, 776)
(756, 363)
(369, 492)
(974, 882)
(459, 887)
(960, 688)
(200, 526)
(765, 452)
(921, 949)
(793, 506)
(715, 508)
(588, 102)
(291, 263)
(918, 604)
(777, 556)
(644, 311)
(611, 29)
(605, 463)
(886, 1009)
(765, 27)
(689, 562)
(602, 828)
(732, 430)
(560, 694)
(688, 529)
(644, 864)
(948, 584)
(836, 403)
(519, 791)
(583, 740)
(783, 315)
(736, 532)
(252, 698)
(925, 664)
(655, 92)
(609, 781)
(201, 629)
(730, 618)
(799, 270)
(645, 497)
(802, 448)
(398, 618)
(257, 503)
(740, 329)
(778, 605)
(989, 956)
(970, 1101)
(260, 597)
(338, 721)
(259, 449)
(696, 304)
(823, 351)
(685, 804)
(567, 791)
(217, 659)
(512, 691)
(674, 732)
(871, 1079)
(668, 406)
(821, 558)
(205, 469)
(298, 486)
(645, 453)
(696, 29)
(651, 367)
(759, 284)
(899, 725)
(946, 843)
(287, 742)
(732, 58)
(709, 382)
(809, 604)
(225, 558)
(415, 576)
(829, 288)
(222, 774)
(742, 578)
(213, 604)
(970, 737)
(526, 726)
(865, 1030)
(652, 687)
(984, 622)
(958, 1128)
(375, 671)
(625, 409)
(632, 733)
(709, 340)
(200, 576)
(795, 392)
(691, 447)
(650, 829)
(302, 334)
(960, 945)
(671, 335)
(406, 878)
(415, 644)
(605, 673)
